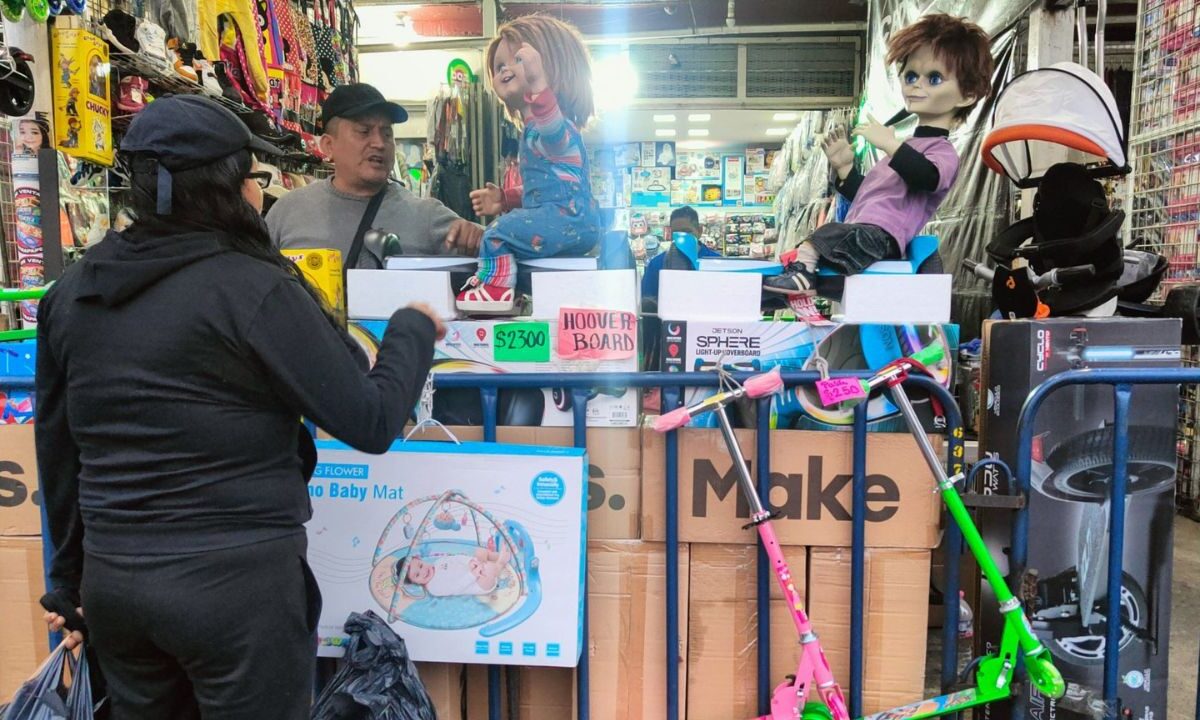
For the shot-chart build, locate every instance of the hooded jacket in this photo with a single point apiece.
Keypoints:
(172, 373)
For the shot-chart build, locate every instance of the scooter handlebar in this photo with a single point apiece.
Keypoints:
(765, 384)
(673, 420)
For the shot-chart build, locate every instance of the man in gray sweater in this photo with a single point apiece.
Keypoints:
(358, 140)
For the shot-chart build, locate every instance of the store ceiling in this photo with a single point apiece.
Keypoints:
(725, 127)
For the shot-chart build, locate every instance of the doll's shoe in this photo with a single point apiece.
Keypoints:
(795, 280)
(480, 299)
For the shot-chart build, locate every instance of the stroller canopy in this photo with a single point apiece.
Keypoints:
(1064, 104)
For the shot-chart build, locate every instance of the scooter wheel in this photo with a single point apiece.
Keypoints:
(13, 101)
(12, 10)
(39, 10)
(562, 399)
(814, 710)
(1047, 678)
(77, 6)
(1183, 302)
(57, 7)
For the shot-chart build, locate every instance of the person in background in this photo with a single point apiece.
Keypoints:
(325, 214)
(684, 219)
(174, 364)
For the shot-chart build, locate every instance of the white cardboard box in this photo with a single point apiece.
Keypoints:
(376, 294)
(897, 299)
(600, 289)
(448, 506)
(718, 296)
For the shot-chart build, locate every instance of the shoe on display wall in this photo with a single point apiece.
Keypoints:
(119, 28)
(132, 97)
(480, 299)
(183, 58)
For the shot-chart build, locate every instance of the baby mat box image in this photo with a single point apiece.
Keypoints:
(472, 552)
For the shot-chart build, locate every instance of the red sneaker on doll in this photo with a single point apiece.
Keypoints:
(553, 213)
(945, 69)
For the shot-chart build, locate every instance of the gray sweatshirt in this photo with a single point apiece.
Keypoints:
(319, 216)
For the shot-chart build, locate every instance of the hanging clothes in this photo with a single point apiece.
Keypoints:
(292, 64)
(242, 14)
(272, 45)
(237, 64)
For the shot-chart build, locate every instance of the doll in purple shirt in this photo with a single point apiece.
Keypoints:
(945, 68)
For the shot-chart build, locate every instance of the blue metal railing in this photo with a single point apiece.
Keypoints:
(672, 385)
(1122, 382)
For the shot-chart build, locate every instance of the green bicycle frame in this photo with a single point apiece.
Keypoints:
(13, 295)
(993, 678)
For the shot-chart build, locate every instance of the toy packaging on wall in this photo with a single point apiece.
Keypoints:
(483, 564)
(794, 346)
(1065, 573)
(82, 118)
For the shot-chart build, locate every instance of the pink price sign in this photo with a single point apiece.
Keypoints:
(839, 390)
(588, 334)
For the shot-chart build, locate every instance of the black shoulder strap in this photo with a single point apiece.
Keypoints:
(364, 225)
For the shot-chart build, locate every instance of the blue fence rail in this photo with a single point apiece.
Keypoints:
(672, 386)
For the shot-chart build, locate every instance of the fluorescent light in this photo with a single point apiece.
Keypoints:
(697, 132)
(699, 117)
(777, 132)
(695, 144)
(614, 82)
(664, 118)
(665, 132)
(785, 116)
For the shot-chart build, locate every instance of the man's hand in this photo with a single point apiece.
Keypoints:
(529, 66)
(439, 328)
(62, 609)
(488, 200)
(839, 152)
(877, 134)
(464, 237)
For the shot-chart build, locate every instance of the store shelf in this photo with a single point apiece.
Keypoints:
(1164, 207)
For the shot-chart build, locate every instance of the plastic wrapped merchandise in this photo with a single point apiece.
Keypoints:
(377, 680)
(60, 690)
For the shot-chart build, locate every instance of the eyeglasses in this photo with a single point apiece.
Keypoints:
(262, 177)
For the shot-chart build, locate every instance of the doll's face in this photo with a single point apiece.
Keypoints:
(30, 135)
(930, 90)
(508, 84)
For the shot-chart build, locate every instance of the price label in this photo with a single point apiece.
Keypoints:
(522, 342)
(839, 390)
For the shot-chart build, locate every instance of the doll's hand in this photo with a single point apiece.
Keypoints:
(529, 66)
(839, 152)
(487, 201)
(877, 134)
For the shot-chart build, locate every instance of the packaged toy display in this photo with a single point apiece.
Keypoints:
(322, 268)
(482, 565)
(794, 347)
(1066, 568)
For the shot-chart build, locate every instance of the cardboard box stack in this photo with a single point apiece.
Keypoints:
(718, 617)
(24, 640)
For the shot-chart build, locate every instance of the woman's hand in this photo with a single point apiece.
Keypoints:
(487, 200)
(57, 622)
(439, 328)
(529, 66)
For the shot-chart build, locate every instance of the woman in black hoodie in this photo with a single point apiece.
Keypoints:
(174, 364)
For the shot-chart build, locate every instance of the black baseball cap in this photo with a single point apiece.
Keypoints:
(181, 132)
(356, 100)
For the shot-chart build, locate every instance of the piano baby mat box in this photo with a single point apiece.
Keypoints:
(473, 552)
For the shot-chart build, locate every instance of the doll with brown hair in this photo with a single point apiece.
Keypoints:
(945, 67)
(539, 68)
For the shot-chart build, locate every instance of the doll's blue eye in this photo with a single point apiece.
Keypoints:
(935, 78)
(910, 78)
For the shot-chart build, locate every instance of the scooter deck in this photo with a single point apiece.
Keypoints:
(933, 707)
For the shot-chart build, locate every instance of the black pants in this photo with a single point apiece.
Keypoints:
(222, 635)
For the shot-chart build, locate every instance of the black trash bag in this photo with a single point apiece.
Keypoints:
(377, 680)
